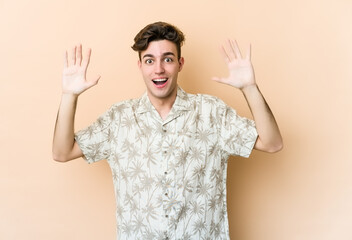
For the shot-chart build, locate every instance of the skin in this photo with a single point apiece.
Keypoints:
(74, 83)
(158, 61)
(241, 76)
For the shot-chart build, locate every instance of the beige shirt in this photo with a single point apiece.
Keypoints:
(169, 176)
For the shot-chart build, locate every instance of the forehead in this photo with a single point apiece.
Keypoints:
(159, 48)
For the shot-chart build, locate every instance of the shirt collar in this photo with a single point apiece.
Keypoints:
(181, 103)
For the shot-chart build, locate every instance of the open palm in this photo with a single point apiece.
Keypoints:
(75, 70)
(241, 73)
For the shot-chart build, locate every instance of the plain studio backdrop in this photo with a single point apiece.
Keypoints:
(302, 55)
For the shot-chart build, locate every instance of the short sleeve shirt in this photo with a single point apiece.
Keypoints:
(169, 175)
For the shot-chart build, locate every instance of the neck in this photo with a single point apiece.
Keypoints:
(163, 105)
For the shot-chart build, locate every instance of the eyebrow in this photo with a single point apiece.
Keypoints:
(164, 54)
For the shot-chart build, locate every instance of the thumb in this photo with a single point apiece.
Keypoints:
(217, 79)
(94, 82)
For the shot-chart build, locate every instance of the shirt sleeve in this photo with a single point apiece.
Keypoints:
(95, 140)
(237, 134)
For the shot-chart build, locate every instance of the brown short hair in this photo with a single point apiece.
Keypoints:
(158, 31)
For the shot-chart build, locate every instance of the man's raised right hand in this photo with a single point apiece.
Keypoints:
(75, 70)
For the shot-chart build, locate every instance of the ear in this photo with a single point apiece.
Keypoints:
(181, 62)
(139, 64)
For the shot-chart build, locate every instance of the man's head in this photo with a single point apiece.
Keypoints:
(155, 32)
(160, 61)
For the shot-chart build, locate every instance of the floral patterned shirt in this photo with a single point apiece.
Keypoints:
(169, 175)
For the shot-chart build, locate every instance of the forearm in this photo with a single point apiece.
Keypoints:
(269, 137)
(64, 142)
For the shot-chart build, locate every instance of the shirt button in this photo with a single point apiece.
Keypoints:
(165, 194)
(165, 173)
(166, 216)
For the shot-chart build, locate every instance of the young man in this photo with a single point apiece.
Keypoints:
(167, 150)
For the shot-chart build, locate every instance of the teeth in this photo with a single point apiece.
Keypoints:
(160, 80)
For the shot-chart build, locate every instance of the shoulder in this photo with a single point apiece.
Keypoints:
(125, 107)
(210, 101)
(198, 98)
(207, 105)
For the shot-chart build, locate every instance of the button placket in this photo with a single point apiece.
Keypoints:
(166, 236)
(165, 160)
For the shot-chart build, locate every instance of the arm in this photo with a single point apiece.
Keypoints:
(242, 77)
(74, 83)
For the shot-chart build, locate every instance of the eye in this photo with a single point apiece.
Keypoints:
(149, 61)
(168, 60)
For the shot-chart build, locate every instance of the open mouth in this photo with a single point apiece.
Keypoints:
(160, 82)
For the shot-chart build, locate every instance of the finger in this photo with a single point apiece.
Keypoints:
(79, 55)
(65, 59)
(217, 79)
(249, 52)
(72, 58)
(93, 83)
(86, 59)
(224, 54)
(235, 48)
(97, 79)
(230, 51)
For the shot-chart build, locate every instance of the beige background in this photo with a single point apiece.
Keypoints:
(302, 56)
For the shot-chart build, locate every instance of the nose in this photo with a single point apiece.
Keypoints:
(159, 67)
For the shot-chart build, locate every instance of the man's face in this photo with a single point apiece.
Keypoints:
(160, 66)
